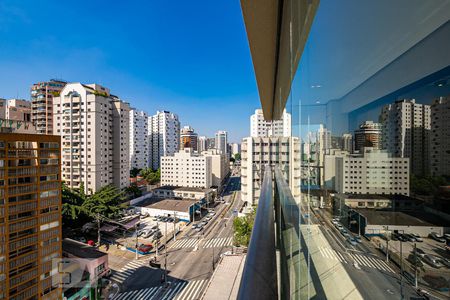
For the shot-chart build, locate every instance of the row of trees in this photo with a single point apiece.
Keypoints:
(150, 175)
(427, 185)
(79, 207)
(242, 227)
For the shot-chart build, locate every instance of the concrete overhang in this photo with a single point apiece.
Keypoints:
(277, 31)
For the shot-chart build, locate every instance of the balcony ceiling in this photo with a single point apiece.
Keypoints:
(355, 44)
(351, 42)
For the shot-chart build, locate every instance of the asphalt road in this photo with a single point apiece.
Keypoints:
(191, 258)
(372, 282)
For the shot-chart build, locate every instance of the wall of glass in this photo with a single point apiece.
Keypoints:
(370, 103)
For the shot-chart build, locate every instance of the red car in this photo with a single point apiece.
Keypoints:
(145, 248)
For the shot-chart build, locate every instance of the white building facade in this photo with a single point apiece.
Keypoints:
(406, 132)
(186, 168)
(259, 127)
(440, 137)
(372, 172)
(94, 130)
(164, 136)
(256, 152)
(202, 144)
(221, 141)
(139, 139)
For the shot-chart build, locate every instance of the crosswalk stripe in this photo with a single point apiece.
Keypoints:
(387, 266)
(355, 259)
(370, 262)
(172, 292)
(333, 255)
(189, 290)
(144, 292)
(209, 243)
(197, 290)
(342, 257)
(327, 255)
(130, 295)
(321, 251)
(378, 264)
(155, 294)
(363, 258)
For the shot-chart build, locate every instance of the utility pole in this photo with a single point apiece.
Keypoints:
(165, 256)
(415, 266)
(387, 244)
(136, 246)
(98, 230)
(174, 226)
(401, 271)
(213, 259)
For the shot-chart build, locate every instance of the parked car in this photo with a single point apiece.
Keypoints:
(199, 228)
(164, 219)
(402, 237)
(157, 235)
(445, 262)
(344, 232)
(415, 260)
(339, 226)
(170, 219)
(432, 261)
(417, 237)
(81, 239)
(420, 252)
(358, 238)
(203, 223)
(437, 237)
(145, 248)
(410, 237)
(351, 240)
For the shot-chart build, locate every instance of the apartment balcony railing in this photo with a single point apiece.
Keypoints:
(276, 234)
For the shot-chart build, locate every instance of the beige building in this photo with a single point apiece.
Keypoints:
(15, 109)
(42, 94)
(186, 168)
(256, 152)
(372, 172)
(94, 130)
(30, 215)
(220, 166)
(440, 137)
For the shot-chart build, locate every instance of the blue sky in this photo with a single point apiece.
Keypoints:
(189, 57)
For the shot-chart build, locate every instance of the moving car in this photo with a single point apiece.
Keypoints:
(199, 228)
(344, 232)
(145, 248)
(432, 261)
(435, 236)
(410, 237)
(358, 238)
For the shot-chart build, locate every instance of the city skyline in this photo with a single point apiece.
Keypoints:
(162, 66)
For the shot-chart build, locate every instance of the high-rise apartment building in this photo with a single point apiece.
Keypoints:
(406, 132)
(257, 152)
(347, 142)
(211, 143)
(372, 172)
(259, 127)
(188, 138)
(186, 168)
(368, 135)
(440, 137)
(220, 166)
(30, 215)
(202, 144)
(139, 139)
(15, 109)
(221, 142)
(121, 143)
(94, 129)
(235, 148)
(42, 94)
(164, 136)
